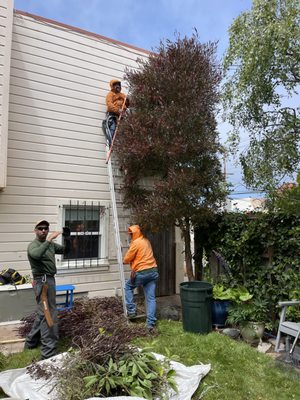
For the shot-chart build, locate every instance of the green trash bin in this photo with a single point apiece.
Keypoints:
(196, 298)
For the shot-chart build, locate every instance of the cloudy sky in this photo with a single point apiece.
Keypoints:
(144, 23)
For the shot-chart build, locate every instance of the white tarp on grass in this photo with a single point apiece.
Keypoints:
(18, 384)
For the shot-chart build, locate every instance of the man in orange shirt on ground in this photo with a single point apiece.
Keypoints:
(144, 273)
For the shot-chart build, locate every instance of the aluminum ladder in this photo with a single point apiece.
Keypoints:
(116, 230)
(118, 243)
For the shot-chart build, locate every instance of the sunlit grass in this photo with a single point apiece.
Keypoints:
(21, 360)
(18, 360)
(238, 372)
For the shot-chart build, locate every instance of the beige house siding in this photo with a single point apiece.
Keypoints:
(6, 21)
(56, 149)
(57, 79)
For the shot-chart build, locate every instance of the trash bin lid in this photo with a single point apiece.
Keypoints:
(196, 285)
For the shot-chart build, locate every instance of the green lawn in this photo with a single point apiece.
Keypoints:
(238, 372)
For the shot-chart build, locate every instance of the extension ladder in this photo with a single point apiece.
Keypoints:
(115, 213)
(116, 230)
(118, 239)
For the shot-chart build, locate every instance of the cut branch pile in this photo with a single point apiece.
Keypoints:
(97, 327)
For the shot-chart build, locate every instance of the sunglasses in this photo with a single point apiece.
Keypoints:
(43, 228)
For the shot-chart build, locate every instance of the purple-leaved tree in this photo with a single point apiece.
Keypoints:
(170, 137)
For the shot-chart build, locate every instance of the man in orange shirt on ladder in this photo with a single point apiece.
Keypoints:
(116, 103)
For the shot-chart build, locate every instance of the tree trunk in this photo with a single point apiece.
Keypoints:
(199, 238)
(198, 256)
(187, 249)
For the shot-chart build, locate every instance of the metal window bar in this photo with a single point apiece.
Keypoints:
(77, 212)
(87, 217)
(92, 227)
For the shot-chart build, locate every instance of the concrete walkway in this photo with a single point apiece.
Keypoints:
(10, 341)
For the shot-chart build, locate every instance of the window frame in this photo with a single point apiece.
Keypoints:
(83, 264)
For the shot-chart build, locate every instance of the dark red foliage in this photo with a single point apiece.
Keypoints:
(95, 326)
(170, 134)
(26, 325)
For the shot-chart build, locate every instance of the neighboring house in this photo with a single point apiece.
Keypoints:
(54, 79)
(246, 204)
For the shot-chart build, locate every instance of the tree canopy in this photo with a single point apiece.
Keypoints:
(170, 136)
(287, 198)
(262, 70)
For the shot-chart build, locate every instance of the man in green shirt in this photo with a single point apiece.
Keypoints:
(41, 255)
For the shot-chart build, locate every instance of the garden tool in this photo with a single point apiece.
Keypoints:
(45, 306)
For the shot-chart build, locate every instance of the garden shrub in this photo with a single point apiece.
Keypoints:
(262, 253)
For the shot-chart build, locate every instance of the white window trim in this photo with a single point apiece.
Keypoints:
(84, 265)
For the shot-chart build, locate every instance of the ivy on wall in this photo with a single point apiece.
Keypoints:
(262, 252)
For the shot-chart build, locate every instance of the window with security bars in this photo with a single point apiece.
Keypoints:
(87, 228)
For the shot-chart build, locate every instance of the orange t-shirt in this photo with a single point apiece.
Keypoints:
(140, 254)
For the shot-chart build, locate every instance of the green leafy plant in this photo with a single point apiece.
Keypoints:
(252, 311)
(235, 294)
(293, 312)
(261, 252)
(136, 373)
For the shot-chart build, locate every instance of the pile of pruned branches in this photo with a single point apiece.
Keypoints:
(97, 327)
(101, 360)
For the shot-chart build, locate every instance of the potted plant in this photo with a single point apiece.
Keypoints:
(222, 298)
(250, 317)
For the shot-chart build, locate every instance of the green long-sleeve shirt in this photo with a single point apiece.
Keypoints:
(41, 256)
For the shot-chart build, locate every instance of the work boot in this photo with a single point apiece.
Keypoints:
(131, 315)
